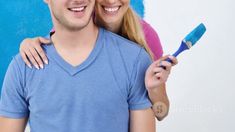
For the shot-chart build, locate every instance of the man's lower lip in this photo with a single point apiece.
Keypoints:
(78, 13)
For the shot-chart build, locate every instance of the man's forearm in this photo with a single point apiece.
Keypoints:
(12, 125)
(159, 99)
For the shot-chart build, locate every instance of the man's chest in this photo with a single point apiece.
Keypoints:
(57, 92)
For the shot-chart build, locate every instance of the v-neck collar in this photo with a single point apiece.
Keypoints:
(72, 70)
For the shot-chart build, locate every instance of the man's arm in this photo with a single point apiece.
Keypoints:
(142, 121)
(12, 125)
(13, 105)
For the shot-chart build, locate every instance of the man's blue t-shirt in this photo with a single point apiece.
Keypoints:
(95, 96)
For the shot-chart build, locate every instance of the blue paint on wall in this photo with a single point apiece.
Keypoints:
(138, 6)
(20, 19)
(27, 18)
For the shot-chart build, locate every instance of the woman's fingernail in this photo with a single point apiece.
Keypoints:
(36, 66)
(41, 66)
(30, 66)
(46, 61)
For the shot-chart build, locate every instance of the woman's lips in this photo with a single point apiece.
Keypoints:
(111, 10)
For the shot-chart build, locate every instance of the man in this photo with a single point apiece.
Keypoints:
(94, 81)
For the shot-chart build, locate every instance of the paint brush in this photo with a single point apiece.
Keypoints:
(190, 40)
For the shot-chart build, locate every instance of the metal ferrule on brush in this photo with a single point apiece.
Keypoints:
(188, 43)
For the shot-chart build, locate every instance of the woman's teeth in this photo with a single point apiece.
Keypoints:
(111, 9)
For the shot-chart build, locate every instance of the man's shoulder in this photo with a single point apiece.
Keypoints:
(16, 67)
(130, 52)
(124, 45)
(18, 61)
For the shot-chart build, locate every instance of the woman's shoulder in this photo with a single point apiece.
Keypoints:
(146, 26)
(149, 31)
(152, 39)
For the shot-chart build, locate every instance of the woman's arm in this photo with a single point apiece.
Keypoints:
(32, 52)
(155, 79)
(157, 91)
(159, 99)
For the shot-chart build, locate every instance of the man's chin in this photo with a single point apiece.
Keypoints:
(77, 27)
(74, 28)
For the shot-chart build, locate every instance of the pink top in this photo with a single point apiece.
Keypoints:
(152, 40)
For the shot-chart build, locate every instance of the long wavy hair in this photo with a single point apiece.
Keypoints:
(132, 29)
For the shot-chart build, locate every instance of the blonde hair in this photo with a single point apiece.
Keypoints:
(132, 29)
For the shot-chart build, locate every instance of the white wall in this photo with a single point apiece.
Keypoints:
(201, 86)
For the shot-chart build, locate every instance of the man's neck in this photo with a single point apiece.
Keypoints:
(67, 39)
(75, 46)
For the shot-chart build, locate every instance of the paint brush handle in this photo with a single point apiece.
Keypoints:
(182, 47)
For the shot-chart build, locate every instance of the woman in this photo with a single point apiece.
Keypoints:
(118, 17)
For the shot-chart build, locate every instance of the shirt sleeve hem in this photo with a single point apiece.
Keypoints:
(16, 115)
(141, 106)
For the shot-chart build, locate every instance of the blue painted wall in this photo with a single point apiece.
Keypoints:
(27, 18)
(138, 6)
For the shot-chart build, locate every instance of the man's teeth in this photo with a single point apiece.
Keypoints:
(111, 9)
(77, 9)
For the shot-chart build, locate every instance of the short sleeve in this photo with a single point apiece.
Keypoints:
(138, 96)
(152, 40)
(13, 103)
